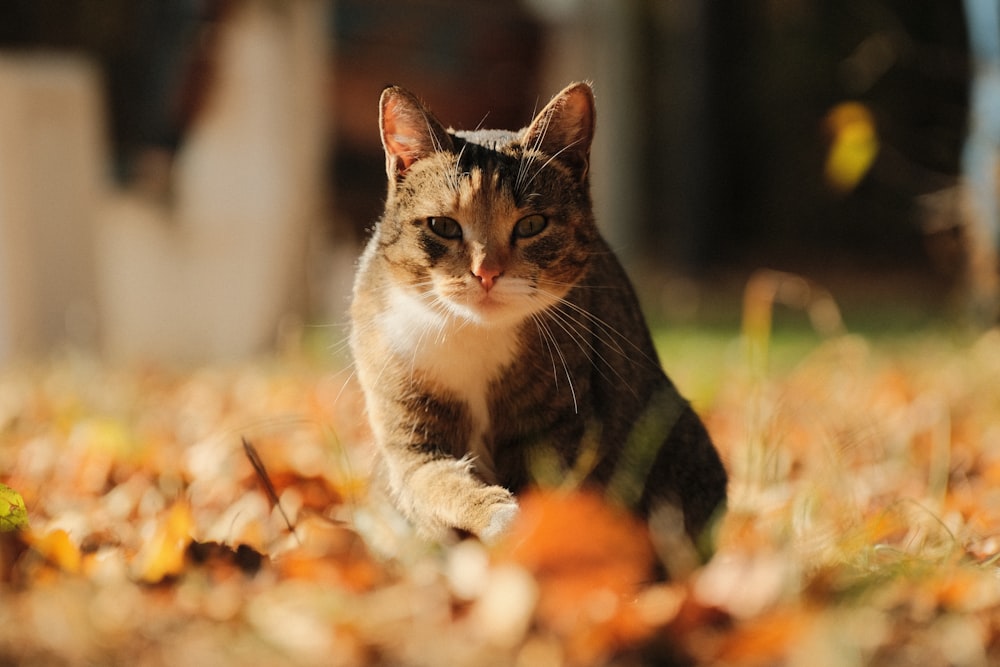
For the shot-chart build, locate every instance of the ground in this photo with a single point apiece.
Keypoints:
(863, 526)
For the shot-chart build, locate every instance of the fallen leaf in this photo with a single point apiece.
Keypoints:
(163, 555)
(13, 513)
(767, 639)
(57, 548)
(590, 560)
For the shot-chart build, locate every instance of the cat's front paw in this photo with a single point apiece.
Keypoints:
(444, 494)
(490, 512)
(501, 516)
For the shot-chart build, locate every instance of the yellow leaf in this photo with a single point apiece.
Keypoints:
(57, 548)
(163, 555)
(13, 514)
(853, 145)
(106, 435)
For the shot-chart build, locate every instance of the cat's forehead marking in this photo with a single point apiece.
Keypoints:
(467, 186)
(482, 199)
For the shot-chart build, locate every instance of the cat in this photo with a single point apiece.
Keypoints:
(494, 331)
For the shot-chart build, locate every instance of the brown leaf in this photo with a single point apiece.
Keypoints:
(329, 554)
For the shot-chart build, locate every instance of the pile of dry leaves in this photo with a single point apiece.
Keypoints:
(864, 528)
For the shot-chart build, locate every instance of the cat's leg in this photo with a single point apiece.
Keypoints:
(442, 493)
(436, 491)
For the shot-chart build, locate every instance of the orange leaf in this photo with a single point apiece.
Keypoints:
(967, 590)
(163, 555)
(589, 559)
(57, 548)
(329, 554)
(559, 532)
(766, 640)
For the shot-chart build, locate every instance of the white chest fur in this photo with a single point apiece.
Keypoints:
(455, 354)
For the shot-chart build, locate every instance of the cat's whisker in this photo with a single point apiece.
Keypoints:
(614, 337)
(599, 326)
(570, 327)
(549, 161)
(540, 137)
(427, 330)
(347, 381)
(524, 164)
(336, 348)
(435, 141)
(340, 343)
(552, 345)
(445, 312)
(528, 198)
(359, 333)
(385, 365)
(532, 153)
(565, 284)
(413, 356)
(455, 178)
(609, 336)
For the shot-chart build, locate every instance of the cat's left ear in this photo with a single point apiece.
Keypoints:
(564, 129)
(409, 131)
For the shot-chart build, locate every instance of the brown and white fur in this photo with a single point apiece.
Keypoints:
(493, 329)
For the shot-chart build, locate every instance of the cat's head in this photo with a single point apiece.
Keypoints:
(491, 225)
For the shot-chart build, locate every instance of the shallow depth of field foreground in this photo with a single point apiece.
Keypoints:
(864, 524)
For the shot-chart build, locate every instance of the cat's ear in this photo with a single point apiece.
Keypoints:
(409, 131)
(565, 128)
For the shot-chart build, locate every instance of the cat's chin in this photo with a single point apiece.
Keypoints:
(491, 311)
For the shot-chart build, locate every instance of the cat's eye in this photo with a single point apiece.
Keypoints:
(446, 228)
(530, 226)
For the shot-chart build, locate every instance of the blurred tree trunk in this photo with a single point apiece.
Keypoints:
(981, 157)
(51, 150)
(215, 272)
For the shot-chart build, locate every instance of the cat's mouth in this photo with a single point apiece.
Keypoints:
(484, 301)
(484, 306)
(504, 303)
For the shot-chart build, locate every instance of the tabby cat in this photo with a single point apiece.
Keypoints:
(494, 332)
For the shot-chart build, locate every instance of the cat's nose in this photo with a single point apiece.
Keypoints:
(487, 276)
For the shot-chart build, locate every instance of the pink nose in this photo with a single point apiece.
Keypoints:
(487, 276)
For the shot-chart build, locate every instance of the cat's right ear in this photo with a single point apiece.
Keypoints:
(409, 131)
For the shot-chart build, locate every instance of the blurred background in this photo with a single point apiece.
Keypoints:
(192, 180)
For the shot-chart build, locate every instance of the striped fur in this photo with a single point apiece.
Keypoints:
(516, 350)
